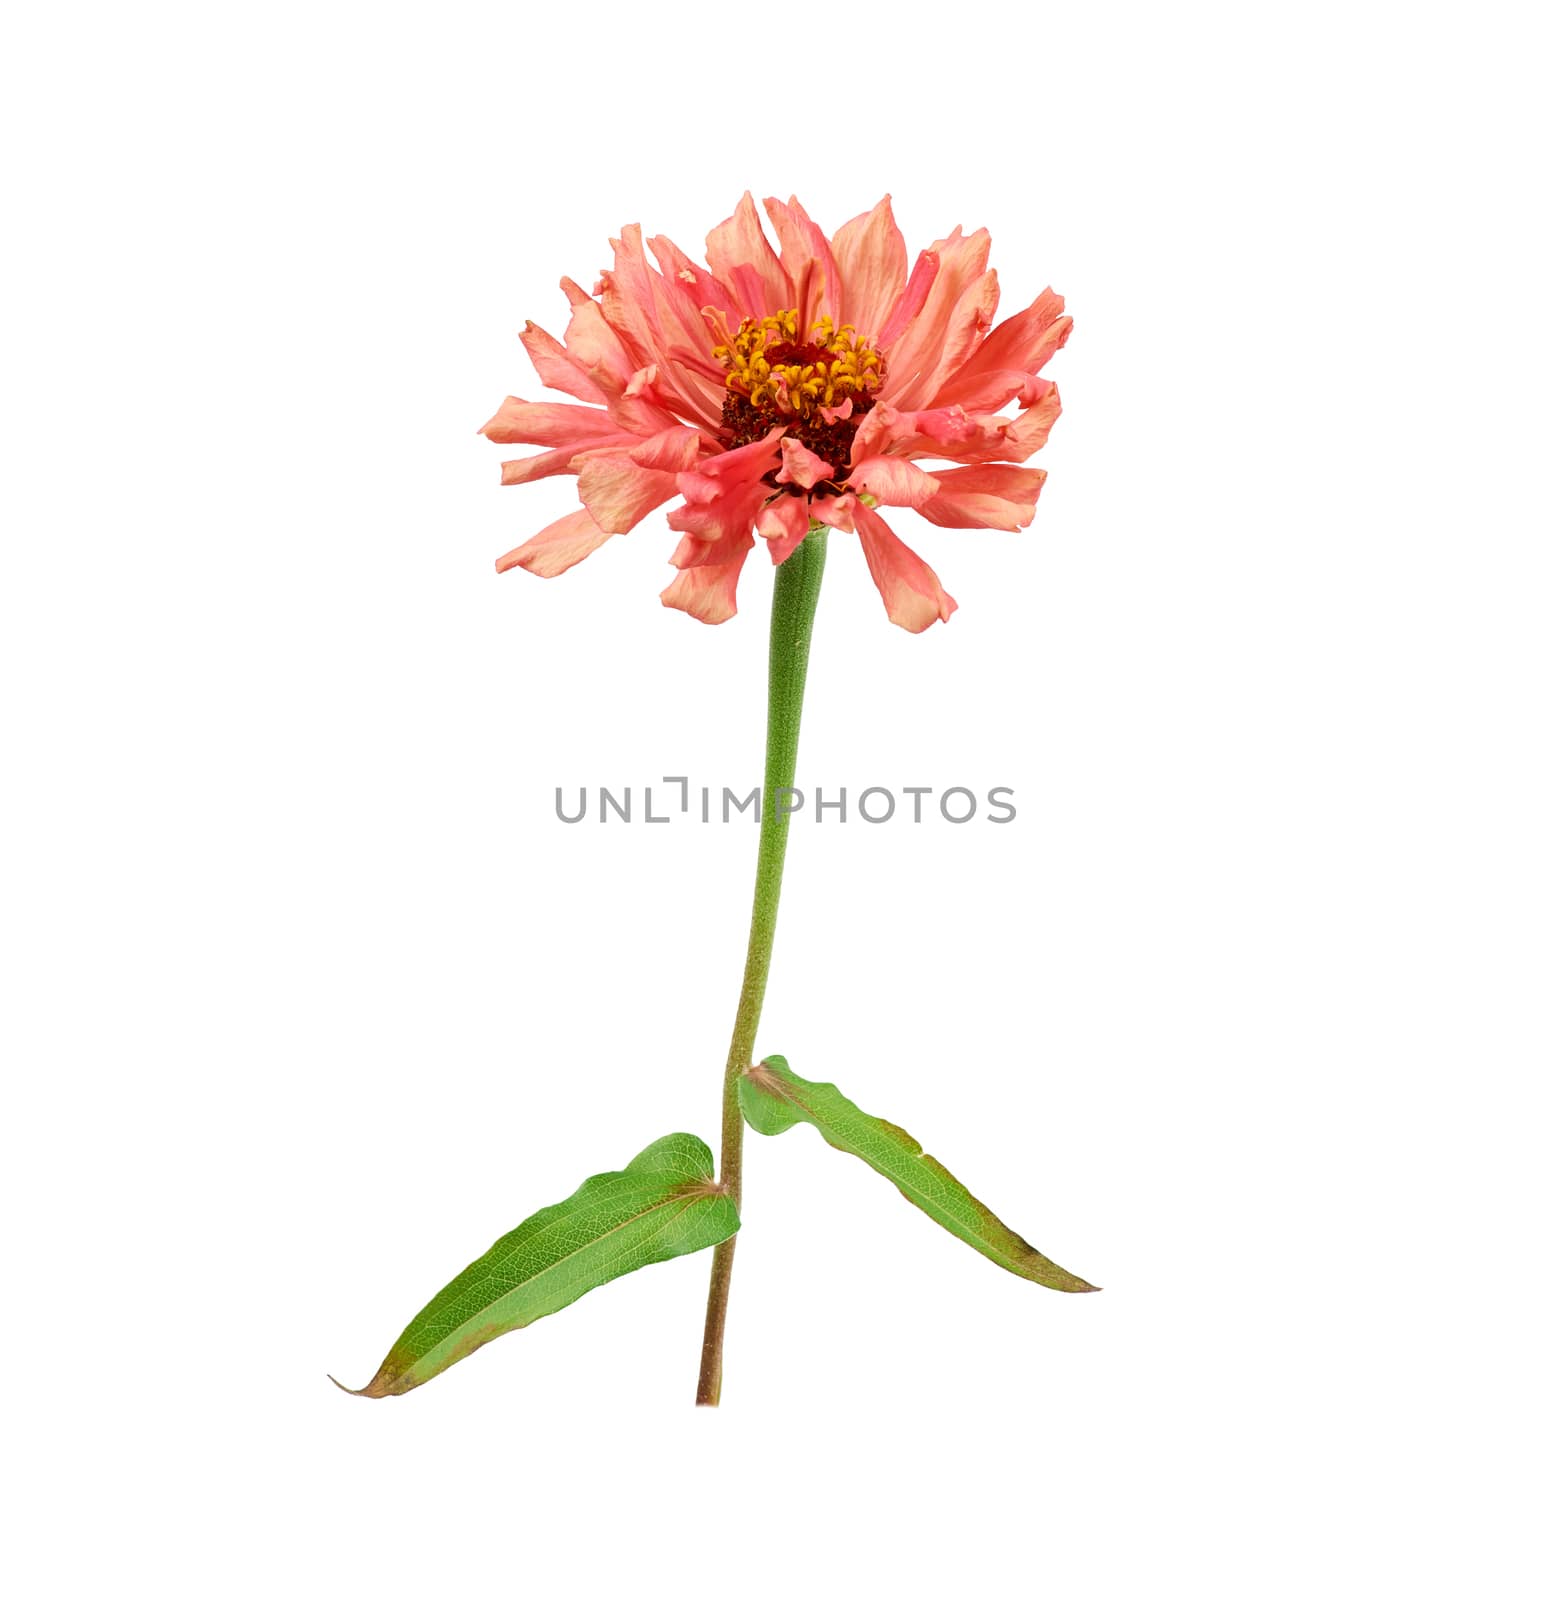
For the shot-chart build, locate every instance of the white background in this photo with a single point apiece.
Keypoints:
(1250, 1017)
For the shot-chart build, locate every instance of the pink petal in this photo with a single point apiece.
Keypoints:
(915, 361)
(964, 330)
(618, 493)
(707, 584)
(728, 514)
(782, 524)
(893, 480)
(1003, 366)
(914, 598)
(801, 466)
(912, 300)
(692, 284)
(549, 422)
(708, 594)
(988, 496)
(1026, 434)
(558, 547)
(814, 283)
(720, 473)
(558, 368)
(593, 343)
(870, 255)
(530, 468)
(742, 258)
(672, 450)
(835, 511)
(648, 316)
(909, 433)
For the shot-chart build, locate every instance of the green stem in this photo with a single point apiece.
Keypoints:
(792, 624)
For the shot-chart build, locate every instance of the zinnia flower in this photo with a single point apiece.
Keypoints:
(767, 388)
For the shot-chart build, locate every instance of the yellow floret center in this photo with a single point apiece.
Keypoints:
(769, 365)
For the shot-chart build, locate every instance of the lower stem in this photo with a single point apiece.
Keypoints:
(792, 625)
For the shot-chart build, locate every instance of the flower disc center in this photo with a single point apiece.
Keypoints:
(818, 387)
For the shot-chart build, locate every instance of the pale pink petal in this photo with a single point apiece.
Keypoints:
(550, 422)
(619, 487)
(914, 598)
(870, 255)
(993, 389)
(893, 480)
(530, 468)
(1020, 345)
(835, 511)
(708, 594)
(909, 433)
(732, 468)
(915, 359)
(637, 414)
(695, 287)
(558, 547)
(986, 436)
(628, 301)
(814, 283)
(912, 300)
(967, 324)
(729, 514)
(672, 450)
(643, 310)
(594, 344)
(801, 466)
(618, 493)
(742, 258)
(557, 367)
(782, 524)
(988, 496)
(1026, 434)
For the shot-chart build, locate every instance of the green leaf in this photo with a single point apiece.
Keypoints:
(665, 1203)
(774, 1098)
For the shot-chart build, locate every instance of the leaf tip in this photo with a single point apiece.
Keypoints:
(376, 1388)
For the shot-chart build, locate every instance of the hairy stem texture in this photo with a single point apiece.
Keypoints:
(793, 602)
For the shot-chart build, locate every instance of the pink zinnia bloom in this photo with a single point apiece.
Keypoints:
(768, 387)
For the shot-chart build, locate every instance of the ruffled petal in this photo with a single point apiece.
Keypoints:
(801, 466)
(814, 283)
(648, 316)
(835, 511)
(914, 598)
(742, 258)
(988, 496)
(708, 594)
(728, 514)
(619, 494)
(1003, 368)
(720, 474)
(870, 255)
(550, 422)
(693, 284)
(593, 343)
(620, 487)
(912, 300)
(910, 433)
(1026, 434)
(558, 547)
(672, 450)
(558, 368)
(782, 523)
(549, 464)
(893, 480)
(946, 323)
